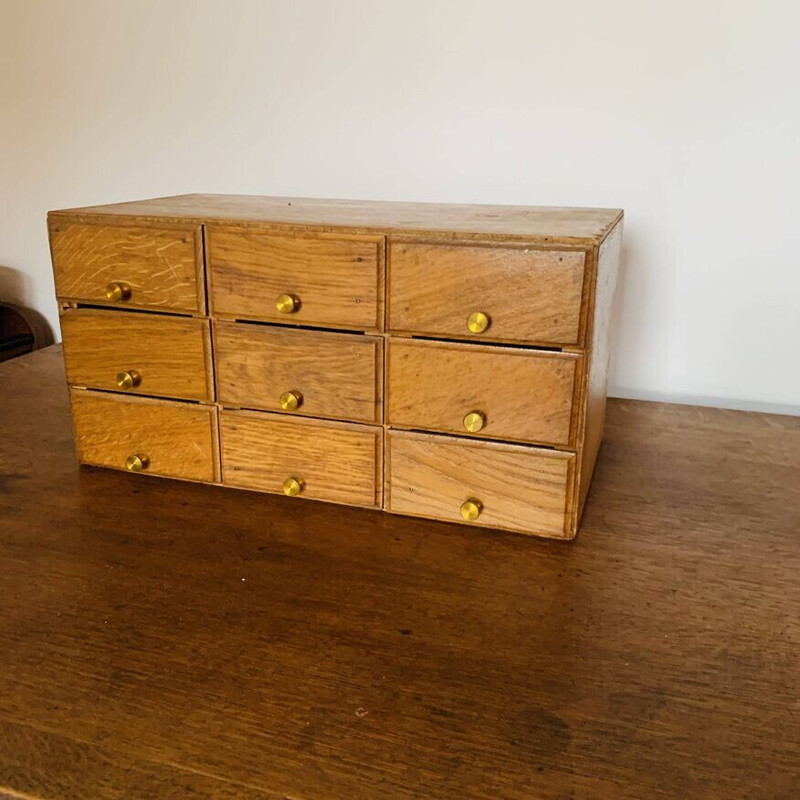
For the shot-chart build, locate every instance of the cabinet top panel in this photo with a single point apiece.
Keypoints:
(544, 225)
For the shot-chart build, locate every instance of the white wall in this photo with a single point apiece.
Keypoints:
(684, 113)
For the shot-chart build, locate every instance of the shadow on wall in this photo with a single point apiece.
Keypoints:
(22, 329)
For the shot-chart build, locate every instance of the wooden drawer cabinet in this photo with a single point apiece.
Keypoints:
(317, 459)
(507, 294)
(149, 354)
(159, 437)
(299, 279)
(487, 392)
(447, 362)
(493, 485)
(314, 373)
(139, 266)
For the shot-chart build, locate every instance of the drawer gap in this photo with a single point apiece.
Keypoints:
(130, 310)
(140, 395)
(481, 439)
(487, 342)
(289, 416)
(292, 325)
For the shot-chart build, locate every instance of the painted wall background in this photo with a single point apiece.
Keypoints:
(686, 114)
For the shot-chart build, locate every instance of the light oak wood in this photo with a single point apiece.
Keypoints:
(337, 279)
(538, 224)
(335, 461)
(525, 395)
(179, 439)
(522, 489)
(599, 345)
(169, 353)
(338, 375)
(530, 295)
(163, 264)
(534, 362)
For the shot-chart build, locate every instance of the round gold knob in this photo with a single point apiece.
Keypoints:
(478, 322)
(291, 401)
(471, 509)
(117, 291)
(293, 486)
(474, 421)
(287, 303)
(129, 379)
(137, 462)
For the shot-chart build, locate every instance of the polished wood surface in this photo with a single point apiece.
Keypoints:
(178, 439)
(540, 224)
(171, 639)
(334, 461)
(337, 280)
(163, 265)
(520, 489)
(530, 296)
(525, 395)
(172, 355)
(338, 375)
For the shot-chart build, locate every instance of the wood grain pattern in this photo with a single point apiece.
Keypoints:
(526, 395)
(604, 290)
(338, 279)
(531, 296)
(369, 655)
(534, 223)
(38, 764)
(522, 489)
(170, 353)
(339, 375)
(162, 264)
(180, 439)
(337, 461)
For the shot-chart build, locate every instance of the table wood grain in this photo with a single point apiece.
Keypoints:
(168, 639)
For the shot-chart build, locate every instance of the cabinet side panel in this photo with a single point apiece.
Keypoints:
(600, 352)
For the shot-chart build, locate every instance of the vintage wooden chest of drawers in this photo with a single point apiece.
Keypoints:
(440, 361)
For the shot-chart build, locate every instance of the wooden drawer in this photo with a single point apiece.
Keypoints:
(527, 295)
(337, 375)
(335, 281)
(517, 488)
(179, 440)
(333, 461)
(518, 394)
(161, 266)
(151, 354)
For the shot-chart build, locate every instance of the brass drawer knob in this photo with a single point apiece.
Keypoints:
(478, 322)
(474, 421)
(117, 291)
(287, 303)
(129, 379)
(136, 462)
(471, 509)
(293, 486)
(291, 401)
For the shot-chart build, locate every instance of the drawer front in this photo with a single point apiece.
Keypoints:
(508, 393)
(176, 440)
(331, 461)
(144, 354)
(516, 294)
(322, 280)
(516, 488)
(144, 266)
(337, 375)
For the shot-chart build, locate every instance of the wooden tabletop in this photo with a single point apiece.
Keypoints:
(165, 639)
